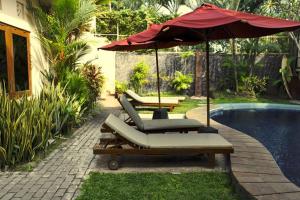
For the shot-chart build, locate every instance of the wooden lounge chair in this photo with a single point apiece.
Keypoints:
(137, 100)
(161, 125)
(129, 141)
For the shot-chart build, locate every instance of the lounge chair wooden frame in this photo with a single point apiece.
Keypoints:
(169, 106)
(120, 147)
(117, 146)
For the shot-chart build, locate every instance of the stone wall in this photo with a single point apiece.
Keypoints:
(169, 62)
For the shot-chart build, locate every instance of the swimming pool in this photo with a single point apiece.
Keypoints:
(276, 126)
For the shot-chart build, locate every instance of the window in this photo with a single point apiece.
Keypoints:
(15, 60)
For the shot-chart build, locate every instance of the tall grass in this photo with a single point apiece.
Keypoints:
(27, 124)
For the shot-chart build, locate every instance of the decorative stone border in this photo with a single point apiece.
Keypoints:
(254, 172)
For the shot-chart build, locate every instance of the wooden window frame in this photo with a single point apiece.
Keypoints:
(9, 31)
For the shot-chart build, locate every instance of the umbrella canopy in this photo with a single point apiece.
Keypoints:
(209, 22)
(123, 45)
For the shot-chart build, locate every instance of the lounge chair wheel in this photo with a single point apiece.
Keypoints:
(113, 164)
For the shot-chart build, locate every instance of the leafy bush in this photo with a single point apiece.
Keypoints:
(95, 80)
(121, 87)
(68, 111)
(187, 54)
(27, 124)
(138, 77)
(76, 84)
(253, 85)
(127, 21)
(181, 82)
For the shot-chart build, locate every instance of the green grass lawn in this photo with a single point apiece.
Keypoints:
(204, 185)
(189, 104)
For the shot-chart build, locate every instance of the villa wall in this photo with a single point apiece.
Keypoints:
(169, 62)
(105, 60)
(9, 15)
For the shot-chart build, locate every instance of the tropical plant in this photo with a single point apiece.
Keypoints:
(27, 124)
(95, 80)
(253, 85)
(76, 84)
(127, 21)
(121, 87)
(138, 77)
(181, 82)
(172, 6)
(59, 31)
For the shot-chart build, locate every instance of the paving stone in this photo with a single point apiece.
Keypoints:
(48, 195)
(67, 196)
(72, 188)
(7, 196)
(47, 184)
(65, 184)
(60, 192)
(40, 193)
(28, 196)
(76, 181)
(34, 188)
(21, 193)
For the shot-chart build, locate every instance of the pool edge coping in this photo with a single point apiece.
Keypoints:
(259, 185)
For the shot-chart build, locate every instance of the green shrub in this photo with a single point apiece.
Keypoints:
(121, 87)
(76, 84)
(138, 77)
(95, 80)
(187, 54)
(68, 111)
(253, 85)
(181, 82)
(27, 124)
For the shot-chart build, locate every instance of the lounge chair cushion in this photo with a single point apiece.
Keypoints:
(164, 124)
(149, 100)
(191, 140)
(166, 141)
(158, 124)
(126, 131)
(131, 112)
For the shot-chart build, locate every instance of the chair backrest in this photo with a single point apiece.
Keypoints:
(126, 131)
(131, 112)
(134, 96)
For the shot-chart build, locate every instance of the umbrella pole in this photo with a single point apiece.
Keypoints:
(207, 83)
(158, 82)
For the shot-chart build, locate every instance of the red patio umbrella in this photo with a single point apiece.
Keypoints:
(123, 45)
(209, 22)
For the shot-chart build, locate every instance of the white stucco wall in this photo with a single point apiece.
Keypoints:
(8, 15)
(104, 59)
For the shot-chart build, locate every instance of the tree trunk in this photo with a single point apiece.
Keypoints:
(233, 43)
(284, 66)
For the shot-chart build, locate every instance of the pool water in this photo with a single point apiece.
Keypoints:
(278, 130)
